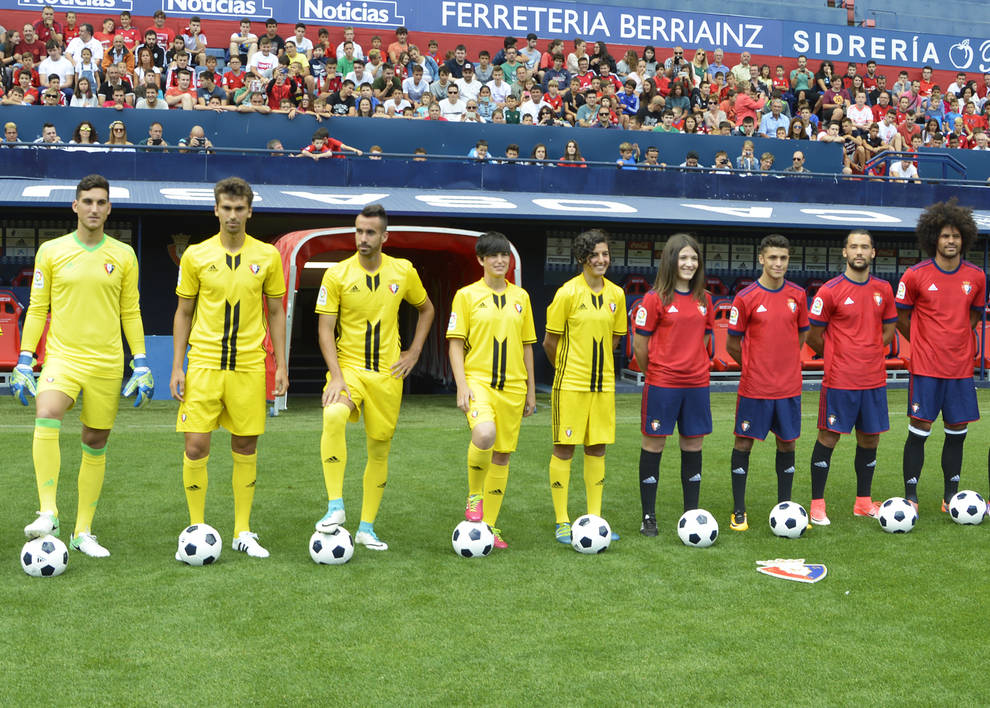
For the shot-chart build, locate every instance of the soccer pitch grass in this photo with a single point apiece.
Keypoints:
(900, 620)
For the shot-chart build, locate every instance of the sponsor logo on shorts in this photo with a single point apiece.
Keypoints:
(452, 322)
(183, 416)
(109, 267)
(832, 419)
(915, 407)
(901, 290)
(817, 306)
(393, 288)
(655, 424)
(474, 412)
(255, 268)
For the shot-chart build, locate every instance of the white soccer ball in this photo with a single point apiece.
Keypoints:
(472, 539)
(697, 528)
(590, 534)
(44, 557)
(199, 544)
(334, 548)
(967, 507)
(897, 515)
(788, 520)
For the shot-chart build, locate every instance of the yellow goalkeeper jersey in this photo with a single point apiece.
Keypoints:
(91, 291)
(367, 306)
(229, 323)
(494, 327)
(586, 322)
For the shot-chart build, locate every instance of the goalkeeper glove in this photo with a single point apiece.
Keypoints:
(141, 381)
(22, 378)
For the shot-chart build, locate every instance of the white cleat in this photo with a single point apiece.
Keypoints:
(368, 539)
(45, 524)
(331, 520)
(86, 543)
(247, 542)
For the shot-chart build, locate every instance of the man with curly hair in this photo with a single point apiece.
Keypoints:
(939, 301)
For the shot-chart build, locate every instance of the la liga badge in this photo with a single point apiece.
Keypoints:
(792, 569)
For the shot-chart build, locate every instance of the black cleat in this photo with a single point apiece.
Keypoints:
(649, 526)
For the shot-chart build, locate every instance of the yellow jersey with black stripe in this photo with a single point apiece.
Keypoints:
(92, 291)
(367, 309)
(229, 323)
(586, 322)
(494, 327)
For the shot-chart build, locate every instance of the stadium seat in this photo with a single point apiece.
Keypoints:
(23, 278)
(631, 360)
(813, 285)
(722, 360)
(986, 339)
(741, 283)
(636, 285)
(811, 361)
(716, 286)
(10, 329)
(894, 360)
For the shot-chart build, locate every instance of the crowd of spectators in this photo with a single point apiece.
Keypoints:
(63, 62)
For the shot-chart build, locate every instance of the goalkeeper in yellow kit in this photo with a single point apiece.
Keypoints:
(88, 281)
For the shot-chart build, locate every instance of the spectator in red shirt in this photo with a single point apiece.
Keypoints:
(128, 32)
(71, 30)
(279, 88)
(748, 102)
(181, 96)
(106, 36)
(47, 28)
(926, 83)
(30, 44)
(27, 67)
(572, 155)
(164, 34)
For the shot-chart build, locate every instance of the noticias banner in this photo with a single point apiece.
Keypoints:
(611, 24)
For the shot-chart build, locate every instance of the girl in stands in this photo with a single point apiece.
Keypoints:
(572, 155)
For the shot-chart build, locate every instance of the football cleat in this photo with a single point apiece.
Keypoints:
(649, 525)
(615, 536)
(499, 541)
(563, 533)
(817, 515)
(865, 506)
(247, 542)
(86, 543)
(331, 520)
(369, 540)
(474, 509)
(945, 509)
(739, 521)
(46, 523)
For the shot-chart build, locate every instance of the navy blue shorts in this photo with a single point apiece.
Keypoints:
(689, 408)
(840, 409)
(955, 398)
(755, 417)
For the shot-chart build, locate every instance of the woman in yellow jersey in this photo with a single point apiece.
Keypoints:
(491, 337)
(584, 323)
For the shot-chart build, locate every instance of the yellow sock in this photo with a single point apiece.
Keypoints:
(91, 471)
(195, 480)
(375, 477)
(243, 479)
(333, 448)
(594, 482)
(495, 483)
(47, 461)
(560, 475)
(478, 461)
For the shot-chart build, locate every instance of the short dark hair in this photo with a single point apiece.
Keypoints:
(938, 216)
(93, 181)
(491, 243)
(233, 187)
(375, 211)
(585, 242)
(774, 241)
(857, 231)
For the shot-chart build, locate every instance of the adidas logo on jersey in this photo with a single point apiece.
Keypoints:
(932, 288)
(761, 309)
(354, 289)
(211, 269)
(672, 308)
(849, 301)
(582, 306)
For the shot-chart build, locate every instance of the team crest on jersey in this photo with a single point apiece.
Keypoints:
(703, 310)
(255, 268)
(655, 424)
(39, 279)
(393, 288)
(734, 315)
(321, 299)
(791, 304)
(611, 306)
(901, 290)
(108, 267)
(967, 287)
(518, 308)
(878, 299)
(452, 322)
(50, 379)
(640, 316)
(744, 425)
(817, 306)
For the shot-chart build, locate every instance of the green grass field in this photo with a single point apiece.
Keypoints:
(900, 620)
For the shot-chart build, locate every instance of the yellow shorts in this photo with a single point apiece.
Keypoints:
(583, 417)
(233, 399)
(101, 394)
(380, 395)
(503, 408)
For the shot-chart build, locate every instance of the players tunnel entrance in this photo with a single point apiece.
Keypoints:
(444, 258)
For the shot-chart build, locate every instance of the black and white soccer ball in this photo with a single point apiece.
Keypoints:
(788, 520)
(590, 534)
(697, 528)
(334, 548)
(967, 507)
(472, 539)
(44, 557)
(897, 515)
(199, 544)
